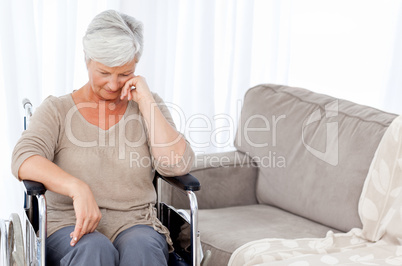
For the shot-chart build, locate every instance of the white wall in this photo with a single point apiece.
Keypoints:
(203, 56)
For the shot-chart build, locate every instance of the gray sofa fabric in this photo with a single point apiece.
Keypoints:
(324, 187)
(228, 179)
(305, 157)
(225, 229)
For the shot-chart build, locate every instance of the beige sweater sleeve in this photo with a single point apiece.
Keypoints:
(184, 165)
(41, 136)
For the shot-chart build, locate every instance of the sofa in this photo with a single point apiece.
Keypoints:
(299, 165)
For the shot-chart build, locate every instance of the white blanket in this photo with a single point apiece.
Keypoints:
(379, 242)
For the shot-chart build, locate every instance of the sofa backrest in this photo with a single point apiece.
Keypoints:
(313, 151)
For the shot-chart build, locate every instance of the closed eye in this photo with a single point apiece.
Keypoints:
(126, 74)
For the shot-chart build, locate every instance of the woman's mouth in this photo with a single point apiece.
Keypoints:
(110, 92)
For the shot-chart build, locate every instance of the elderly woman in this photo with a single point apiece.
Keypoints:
(95, 150)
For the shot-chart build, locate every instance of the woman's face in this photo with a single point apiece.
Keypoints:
(106, 82)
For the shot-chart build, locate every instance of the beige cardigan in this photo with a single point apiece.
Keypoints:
(116, 163)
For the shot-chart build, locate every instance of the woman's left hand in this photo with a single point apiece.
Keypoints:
(141, 91)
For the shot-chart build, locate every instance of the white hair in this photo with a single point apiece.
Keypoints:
(113, 39)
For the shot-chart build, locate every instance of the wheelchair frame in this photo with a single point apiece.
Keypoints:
(35, 243)
(186, 184)
(36, 218)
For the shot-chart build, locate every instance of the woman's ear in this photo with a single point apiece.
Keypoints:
(87, 60)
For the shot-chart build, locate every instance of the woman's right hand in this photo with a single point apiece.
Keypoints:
(87, 212)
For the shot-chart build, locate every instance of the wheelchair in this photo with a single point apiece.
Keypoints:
(183, 226)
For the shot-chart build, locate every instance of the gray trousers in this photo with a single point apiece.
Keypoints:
(138, 245)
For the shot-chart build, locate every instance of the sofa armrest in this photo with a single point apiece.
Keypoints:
(228, 179)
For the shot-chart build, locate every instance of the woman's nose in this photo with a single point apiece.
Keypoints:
(113, 83)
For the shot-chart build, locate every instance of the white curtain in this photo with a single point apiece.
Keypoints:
(201, 56)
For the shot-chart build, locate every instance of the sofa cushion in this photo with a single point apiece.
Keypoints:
(262, 221)
(313, 151)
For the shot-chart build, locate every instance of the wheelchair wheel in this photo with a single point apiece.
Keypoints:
(4, 258)
(15, 241)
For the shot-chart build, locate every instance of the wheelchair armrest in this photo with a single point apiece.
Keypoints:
(34, 188)
(184, 182)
